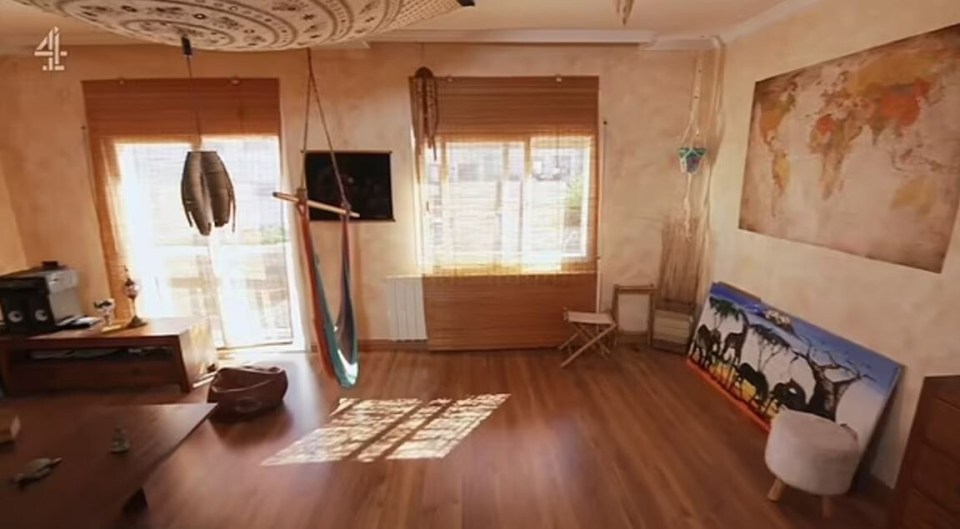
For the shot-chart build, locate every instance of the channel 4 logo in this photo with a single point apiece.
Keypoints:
(49, 49)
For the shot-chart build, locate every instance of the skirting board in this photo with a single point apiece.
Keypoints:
(871, 487)
(672, 347)
(392, 345)
(633, 338)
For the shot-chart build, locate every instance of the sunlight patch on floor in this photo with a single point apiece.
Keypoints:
(368, 430)
(438, 437)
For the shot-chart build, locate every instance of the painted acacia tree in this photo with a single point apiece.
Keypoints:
(722, 311)
(769, 342)
(827, 392)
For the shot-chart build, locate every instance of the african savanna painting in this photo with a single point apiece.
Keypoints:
(768, 360)
(861, 154)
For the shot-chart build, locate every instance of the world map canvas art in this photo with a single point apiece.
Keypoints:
(861, 154)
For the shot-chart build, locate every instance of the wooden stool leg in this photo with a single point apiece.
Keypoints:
(776, 491)
(826, 506)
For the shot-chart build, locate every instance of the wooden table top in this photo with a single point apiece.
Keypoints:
(156, 330)
(90, 486)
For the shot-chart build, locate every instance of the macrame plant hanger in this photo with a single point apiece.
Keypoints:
(206, 190)
(336, 341)
(692, 150)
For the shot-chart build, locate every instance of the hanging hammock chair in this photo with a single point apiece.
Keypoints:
(336, 340)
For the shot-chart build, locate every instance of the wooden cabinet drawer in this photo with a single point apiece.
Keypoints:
(938, 477)
(950, 392)
(921, 513)
(943, 427)
(95, 375)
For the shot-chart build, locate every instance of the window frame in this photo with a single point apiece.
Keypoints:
(584, 261)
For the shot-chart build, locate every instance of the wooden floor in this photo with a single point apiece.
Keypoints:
(635, 441)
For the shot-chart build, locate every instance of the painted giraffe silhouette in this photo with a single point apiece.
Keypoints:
(735, 341)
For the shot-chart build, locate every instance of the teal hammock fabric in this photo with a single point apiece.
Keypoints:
(338, 342)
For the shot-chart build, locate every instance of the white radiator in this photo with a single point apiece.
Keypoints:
(405, 308)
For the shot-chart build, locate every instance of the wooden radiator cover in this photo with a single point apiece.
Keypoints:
(503, 312)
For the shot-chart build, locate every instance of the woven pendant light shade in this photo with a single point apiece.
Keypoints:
(206, 191)
(250, 25)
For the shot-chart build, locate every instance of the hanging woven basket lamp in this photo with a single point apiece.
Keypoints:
(205, 187)
(207, 191)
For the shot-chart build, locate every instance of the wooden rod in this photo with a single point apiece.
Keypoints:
(314, 204)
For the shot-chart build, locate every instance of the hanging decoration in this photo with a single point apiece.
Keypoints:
(248, 25)
(336, 340)
(205, 187)
(692, 150)
(624, 9)
(685, 229)
(131, 289)
(207, 191)
(424, 104)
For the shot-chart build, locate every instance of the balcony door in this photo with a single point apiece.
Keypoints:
(237, 278)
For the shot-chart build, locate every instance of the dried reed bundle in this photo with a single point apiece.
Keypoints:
(681, 257)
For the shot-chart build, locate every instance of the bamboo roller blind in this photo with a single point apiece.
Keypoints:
(161, 110)
(547, 130)
(504, 106)
(164, 107)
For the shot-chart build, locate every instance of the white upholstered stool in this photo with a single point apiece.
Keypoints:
(812, 454)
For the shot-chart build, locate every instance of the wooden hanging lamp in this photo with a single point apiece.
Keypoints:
(205, 187)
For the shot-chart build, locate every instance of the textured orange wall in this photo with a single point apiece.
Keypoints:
(11, 249)
(906, 314)
(643, 95)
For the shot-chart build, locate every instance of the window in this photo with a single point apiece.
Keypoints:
(511, 187)
(511, 206)
(239, 279)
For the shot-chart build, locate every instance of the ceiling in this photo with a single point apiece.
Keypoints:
(22, 26)
(662, 16)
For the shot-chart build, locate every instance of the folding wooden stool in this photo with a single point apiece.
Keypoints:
(590, 329)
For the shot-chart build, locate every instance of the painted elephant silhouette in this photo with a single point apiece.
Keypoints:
(706, 346)
(788, 395)
(758, 380)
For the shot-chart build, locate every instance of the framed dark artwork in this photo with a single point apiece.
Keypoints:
(768, 360)
(367, 183)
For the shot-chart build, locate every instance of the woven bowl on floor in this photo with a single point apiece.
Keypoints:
(246, 392)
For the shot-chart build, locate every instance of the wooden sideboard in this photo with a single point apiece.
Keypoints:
(165, 351)
(928, 489)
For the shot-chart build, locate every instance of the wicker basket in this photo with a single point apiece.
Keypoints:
(245, 392)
